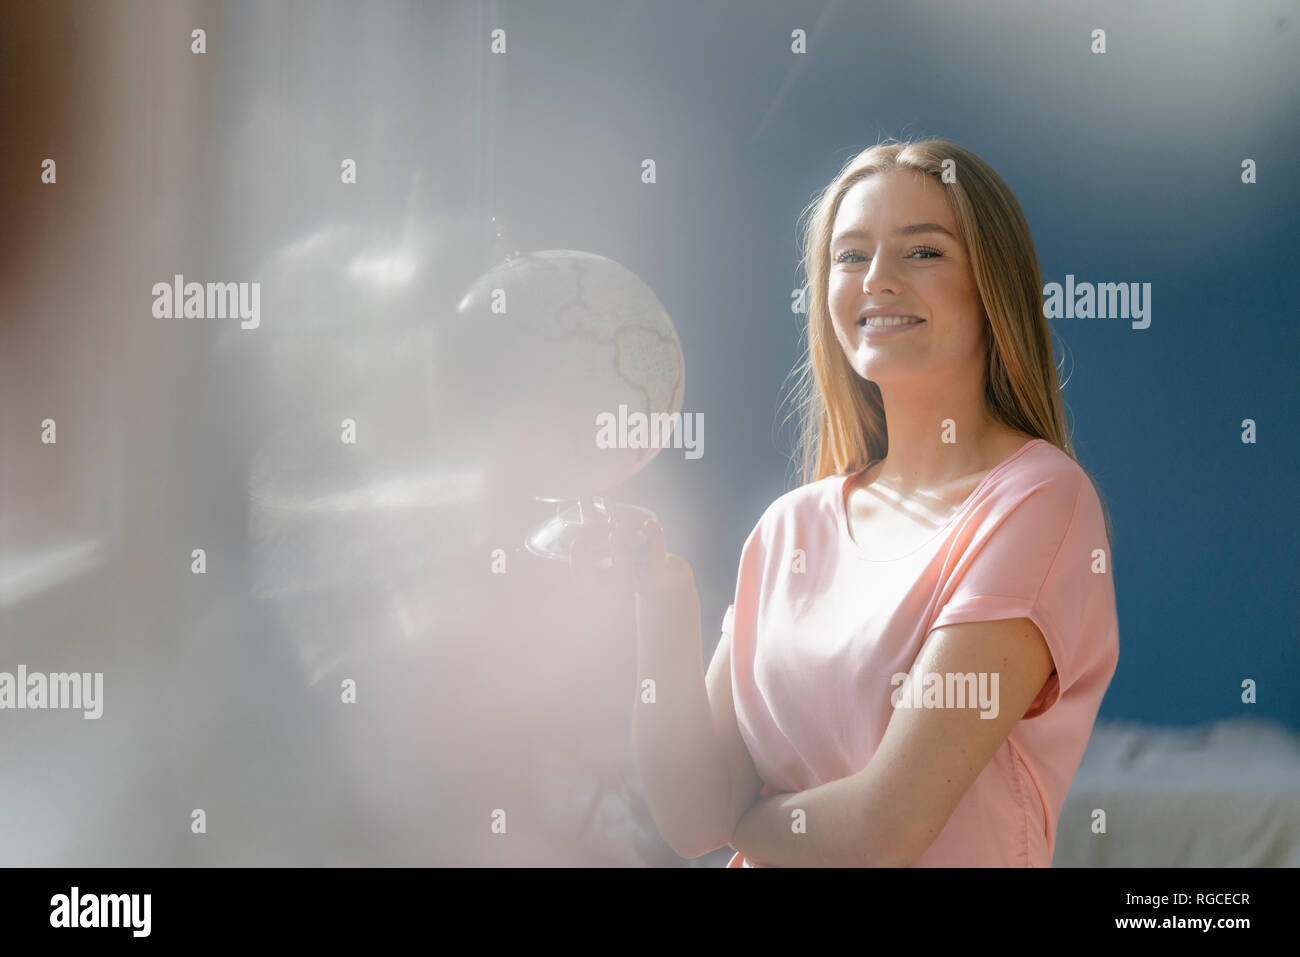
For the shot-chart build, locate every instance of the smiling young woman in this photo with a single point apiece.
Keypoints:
(944, 532)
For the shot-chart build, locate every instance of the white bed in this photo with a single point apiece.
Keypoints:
(1225, 794)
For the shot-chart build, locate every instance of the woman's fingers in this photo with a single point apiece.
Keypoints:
(646, 552)
(639, 555)
(582, 556)
(655, 542)
(628, 546)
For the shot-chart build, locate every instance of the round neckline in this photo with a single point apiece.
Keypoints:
(846, 533)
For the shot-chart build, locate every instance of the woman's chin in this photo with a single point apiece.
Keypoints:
(876, 371)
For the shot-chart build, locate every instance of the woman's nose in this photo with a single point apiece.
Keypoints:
(878, 278)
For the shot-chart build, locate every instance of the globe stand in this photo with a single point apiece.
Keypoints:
(554, 537)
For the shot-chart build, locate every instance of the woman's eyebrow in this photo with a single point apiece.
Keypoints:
(901, 231)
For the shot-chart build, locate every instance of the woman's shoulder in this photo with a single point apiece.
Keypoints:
(799, 504)
(1048, 482)
(813, 495)
(1039, 461)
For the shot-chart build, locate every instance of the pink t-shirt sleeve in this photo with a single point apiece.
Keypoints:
(1042, 554)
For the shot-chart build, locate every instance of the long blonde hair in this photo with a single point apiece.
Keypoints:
(841, 415)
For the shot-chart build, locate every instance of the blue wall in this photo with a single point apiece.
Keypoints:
(1128, 167)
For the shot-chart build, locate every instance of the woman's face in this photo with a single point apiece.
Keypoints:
(886, 252)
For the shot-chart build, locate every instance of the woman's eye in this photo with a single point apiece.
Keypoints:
(929, 250)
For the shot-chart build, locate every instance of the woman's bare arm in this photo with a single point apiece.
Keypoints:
(682, 762)
(891, 811)
(694, 767)
(744, 783)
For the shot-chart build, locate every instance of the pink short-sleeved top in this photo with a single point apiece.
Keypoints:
(821, 623)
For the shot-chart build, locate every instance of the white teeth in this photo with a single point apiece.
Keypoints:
(884, 322)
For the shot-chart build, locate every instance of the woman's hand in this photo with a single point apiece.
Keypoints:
(641, 562)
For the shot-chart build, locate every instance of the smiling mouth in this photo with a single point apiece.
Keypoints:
(888, 322)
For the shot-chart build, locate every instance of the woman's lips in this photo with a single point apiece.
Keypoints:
(875, 332)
